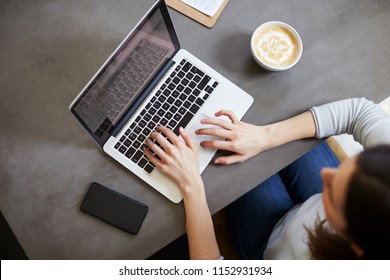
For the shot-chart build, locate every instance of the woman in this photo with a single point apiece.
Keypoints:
(294, 230)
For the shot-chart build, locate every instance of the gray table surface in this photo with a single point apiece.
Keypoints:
(50, 49)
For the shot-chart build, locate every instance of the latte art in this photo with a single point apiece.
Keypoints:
(276, 46)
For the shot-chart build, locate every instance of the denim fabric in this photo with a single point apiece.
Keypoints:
(253, 216)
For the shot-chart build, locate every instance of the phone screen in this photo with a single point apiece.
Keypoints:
(114, 208)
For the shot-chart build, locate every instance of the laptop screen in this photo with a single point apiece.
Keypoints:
(125, 76)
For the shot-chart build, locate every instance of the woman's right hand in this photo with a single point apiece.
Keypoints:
(246, 140)
(243, 139)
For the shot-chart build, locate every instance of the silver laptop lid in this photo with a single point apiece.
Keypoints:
(127, 77)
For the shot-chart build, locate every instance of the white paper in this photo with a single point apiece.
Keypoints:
(208, 7)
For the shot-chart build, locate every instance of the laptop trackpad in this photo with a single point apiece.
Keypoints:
(205, 154)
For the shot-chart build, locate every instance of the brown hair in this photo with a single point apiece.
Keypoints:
(367, 212)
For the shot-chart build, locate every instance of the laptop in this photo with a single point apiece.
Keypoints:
(148, 81)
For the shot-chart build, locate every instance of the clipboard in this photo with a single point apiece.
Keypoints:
(195, 14)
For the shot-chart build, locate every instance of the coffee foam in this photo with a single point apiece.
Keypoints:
(276, 46)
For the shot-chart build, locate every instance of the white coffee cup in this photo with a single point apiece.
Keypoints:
(276, 46)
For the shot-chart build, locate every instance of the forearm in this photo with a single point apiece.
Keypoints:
(295, 128)
(200, 230)
(179, 161)
(247, 140)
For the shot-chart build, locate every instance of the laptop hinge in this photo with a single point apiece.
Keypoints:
(142, 97)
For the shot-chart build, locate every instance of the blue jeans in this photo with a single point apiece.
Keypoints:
(253, 216)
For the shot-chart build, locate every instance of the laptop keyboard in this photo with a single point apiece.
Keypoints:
(173, 106)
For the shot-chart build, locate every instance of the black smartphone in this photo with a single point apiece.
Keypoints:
(114, 208)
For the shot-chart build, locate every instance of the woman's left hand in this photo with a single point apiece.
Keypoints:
(177, 159)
